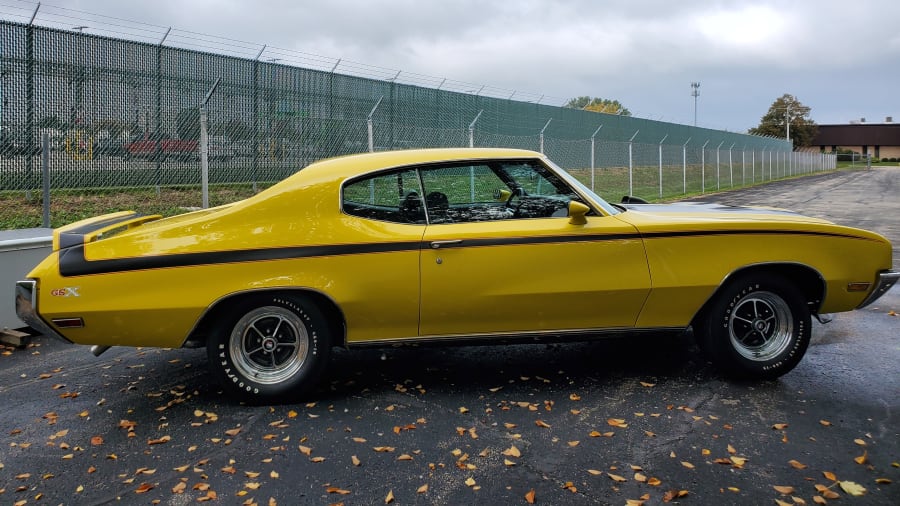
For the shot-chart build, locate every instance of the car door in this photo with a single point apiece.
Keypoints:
(487, 267)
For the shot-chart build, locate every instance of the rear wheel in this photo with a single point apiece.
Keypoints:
(274, 350)
(758, 327)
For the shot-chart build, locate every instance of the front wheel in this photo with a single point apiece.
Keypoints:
(272, 351)
(758, 327)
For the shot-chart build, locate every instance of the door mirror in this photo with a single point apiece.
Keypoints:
(577, 212)
(502, 195)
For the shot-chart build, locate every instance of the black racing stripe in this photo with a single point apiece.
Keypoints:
(72, 261)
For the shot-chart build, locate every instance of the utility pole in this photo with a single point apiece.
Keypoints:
(695, 92)
(787, 122)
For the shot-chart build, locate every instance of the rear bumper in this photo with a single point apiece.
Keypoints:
(26, 309)
(886, 280)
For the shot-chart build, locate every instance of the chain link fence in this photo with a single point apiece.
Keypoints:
(119, 113)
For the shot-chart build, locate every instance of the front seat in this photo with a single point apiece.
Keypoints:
(438, 207)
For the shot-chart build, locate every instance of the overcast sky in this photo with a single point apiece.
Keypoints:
(840, 58)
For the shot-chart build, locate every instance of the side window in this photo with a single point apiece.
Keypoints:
(395, 197)
(494, 191)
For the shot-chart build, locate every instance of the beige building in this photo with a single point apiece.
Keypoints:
(880, 140)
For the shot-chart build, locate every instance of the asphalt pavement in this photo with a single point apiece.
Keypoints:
(580, 423)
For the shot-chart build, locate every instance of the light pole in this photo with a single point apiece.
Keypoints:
(695, 92)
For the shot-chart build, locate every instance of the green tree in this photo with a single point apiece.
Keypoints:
(787, 110)
(597, 104)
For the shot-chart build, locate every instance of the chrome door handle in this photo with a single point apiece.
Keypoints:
(440, 244)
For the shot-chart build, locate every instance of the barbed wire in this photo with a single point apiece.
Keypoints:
(69, 19)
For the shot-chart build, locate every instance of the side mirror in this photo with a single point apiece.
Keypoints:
(502, 195)
(577, 212)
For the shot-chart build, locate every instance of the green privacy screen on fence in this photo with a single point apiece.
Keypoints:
(124, 113)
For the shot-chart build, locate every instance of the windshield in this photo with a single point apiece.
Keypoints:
(606, 206)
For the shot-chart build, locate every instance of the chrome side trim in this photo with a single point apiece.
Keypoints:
(515, 337)
(26, 309)
(886, 280)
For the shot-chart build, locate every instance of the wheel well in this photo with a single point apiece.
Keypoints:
(228, 305)
(805, 278)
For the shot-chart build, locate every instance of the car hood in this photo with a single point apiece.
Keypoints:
(710, 213)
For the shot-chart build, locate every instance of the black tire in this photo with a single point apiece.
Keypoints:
(272, 350)
(758, 327)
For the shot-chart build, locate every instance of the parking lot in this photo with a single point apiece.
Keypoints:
(597, 423)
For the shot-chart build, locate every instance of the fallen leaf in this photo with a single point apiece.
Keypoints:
(96, 440)
(423, 489)
(687, 465)
(305, 450)
(512, 452)
(470, 482)
(390, 497)
(617, 422)
(595, 472)
(780, 426)
(826, 423)
(829, 476)
(179, 488)
(854, 489)
(648, 385)
(336, 490)
(860, 442)
(779, 502)
(162, 440)
(739, 461)
(819, 499)
(508, 463)
(883, 481)
(616, 478)
(797, 465)
(783, 490)
(144, 487)
(233, 432)
(861, 459)
(529, 497)
(355, 460)
(405, 456)
(541, 423)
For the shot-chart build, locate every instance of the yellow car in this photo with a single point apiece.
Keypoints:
(461, 245)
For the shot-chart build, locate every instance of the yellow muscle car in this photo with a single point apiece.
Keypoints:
(462, 245)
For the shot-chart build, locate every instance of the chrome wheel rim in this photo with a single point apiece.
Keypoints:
(269, 345)
(760, 326)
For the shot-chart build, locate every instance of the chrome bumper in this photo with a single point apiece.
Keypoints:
(886, 280)
(26, 309)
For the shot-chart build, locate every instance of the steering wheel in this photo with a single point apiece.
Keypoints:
(518, 192)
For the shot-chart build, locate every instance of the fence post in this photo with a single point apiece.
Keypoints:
(593, 150)
(204, 145)
(369, 125)
(718, 178)
(631, 165)
(660, 165)
(542, 134)
(730, 167)
(684, 166)
(472, 129)
(703, 167)
(744, 166)
(45, 166)
(158, 137)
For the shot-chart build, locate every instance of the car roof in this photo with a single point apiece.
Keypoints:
(354, 165)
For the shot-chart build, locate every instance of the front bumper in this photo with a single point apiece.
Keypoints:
(26, 309)
(886, 280)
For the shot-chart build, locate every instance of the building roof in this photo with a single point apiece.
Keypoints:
(859, 134)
